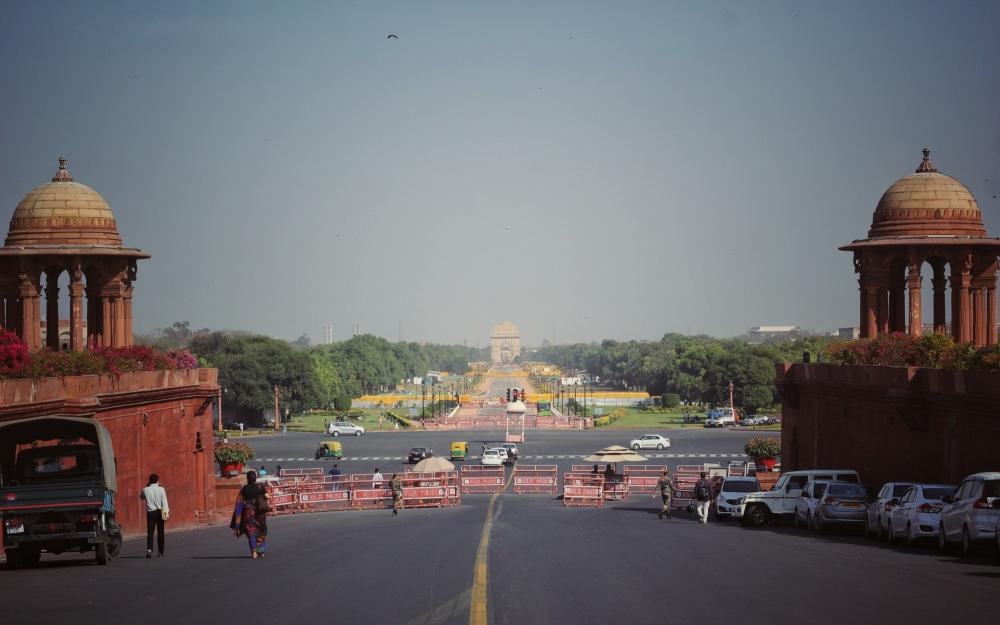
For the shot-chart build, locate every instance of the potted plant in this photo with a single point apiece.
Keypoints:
(763, 450)
(231, 457)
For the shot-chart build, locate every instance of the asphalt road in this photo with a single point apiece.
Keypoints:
(546, 565)
(387, 450)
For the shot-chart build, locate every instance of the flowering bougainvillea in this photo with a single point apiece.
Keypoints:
(17, 361)
(935, 351)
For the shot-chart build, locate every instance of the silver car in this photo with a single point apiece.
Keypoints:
(972, 514)
(343, 428)
(917, 513)
(843, 504)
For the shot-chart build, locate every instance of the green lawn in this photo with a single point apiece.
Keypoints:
(643, 419)
(366, 417)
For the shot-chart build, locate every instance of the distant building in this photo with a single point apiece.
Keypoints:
(505, 343)
(849, 333)
(760, 334)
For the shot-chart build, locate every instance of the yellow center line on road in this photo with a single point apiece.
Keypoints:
(477, 610)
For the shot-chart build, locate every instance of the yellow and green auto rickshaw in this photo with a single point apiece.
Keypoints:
(459, 450)
(330, 449)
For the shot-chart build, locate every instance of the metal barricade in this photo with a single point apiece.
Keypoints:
(642, 479)
(311, 473)
(536, 479)
(430, 490)
(583, 489)
(322, 496)
(482, 480)
(367, 494)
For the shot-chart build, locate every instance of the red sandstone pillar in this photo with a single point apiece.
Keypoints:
(76, 338)
(118, 311)
(14, 315)
(52, 311)
(127, 313)
(869, 323)
(991, 315)
(883, 311)
(107, 323)
(31, 329)
(913, 287)
(979, 316)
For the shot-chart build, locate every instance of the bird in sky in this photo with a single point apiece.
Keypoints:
(392, 37)
(508, 227)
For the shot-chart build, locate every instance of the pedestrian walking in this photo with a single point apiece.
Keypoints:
(250, 515)
(396, 485)
(703, 497)
(157, 512)
(666, 489)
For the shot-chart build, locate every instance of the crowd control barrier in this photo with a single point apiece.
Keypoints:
(583, 489)
(536, 479)
(642, 479)
(480, 480)
(430, 490)
(329, 494)
(302, 473)
(367, 493)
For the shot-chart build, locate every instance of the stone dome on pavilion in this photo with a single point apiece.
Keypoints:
(63, 213)
(927, 203)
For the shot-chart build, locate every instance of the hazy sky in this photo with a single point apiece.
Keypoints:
(661, 166)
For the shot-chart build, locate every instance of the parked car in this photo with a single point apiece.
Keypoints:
(650, 441)
(843, 503)
(971, 515)
(805, 507)
(918, 512)
(417, 454)
(340, 428)
(779, 502)
(493, 457)
(877, 519)
(754, 419)
(731, 493)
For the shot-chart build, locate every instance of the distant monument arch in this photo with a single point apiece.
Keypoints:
(505, 343)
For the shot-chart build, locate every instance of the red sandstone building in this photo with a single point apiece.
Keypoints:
(160, 421)
(907, 422)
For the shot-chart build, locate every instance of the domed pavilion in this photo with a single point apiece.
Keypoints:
(928, 217)
(64, 226)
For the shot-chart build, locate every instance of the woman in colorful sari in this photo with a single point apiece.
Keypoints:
(250, 515)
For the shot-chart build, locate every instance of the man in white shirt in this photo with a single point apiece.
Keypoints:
(157, 511)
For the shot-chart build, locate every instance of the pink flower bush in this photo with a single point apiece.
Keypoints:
(935, 351)
(16, 361)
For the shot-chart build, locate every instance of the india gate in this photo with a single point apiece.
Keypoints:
(505, 343)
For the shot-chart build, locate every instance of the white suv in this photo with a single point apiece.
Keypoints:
(340, 428)
(779, 502)
(972, 514)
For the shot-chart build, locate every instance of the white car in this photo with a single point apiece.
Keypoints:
(493, 457)
(805, 507)
(650, 441)
(917, 514)
(877, 519)
(972, 514)
(734, 489)
(341, 428)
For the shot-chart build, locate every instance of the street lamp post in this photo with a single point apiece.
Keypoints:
(220, 408)
(731, 400)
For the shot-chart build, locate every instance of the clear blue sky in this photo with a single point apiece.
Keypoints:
(663, 166)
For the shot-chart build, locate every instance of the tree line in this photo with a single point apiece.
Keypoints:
(321, 376)
(695, 368)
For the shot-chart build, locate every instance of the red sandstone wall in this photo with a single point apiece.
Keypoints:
(160, 422)
(890, 422)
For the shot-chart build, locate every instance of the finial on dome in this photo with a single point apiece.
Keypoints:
(926, 166)
(62, 175)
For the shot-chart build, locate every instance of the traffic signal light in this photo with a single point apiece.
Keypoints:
(508, 394)
(514, 394)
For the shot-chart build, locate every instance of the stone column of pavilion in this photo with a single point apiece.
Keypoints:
(64, 226)
(928, 217)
